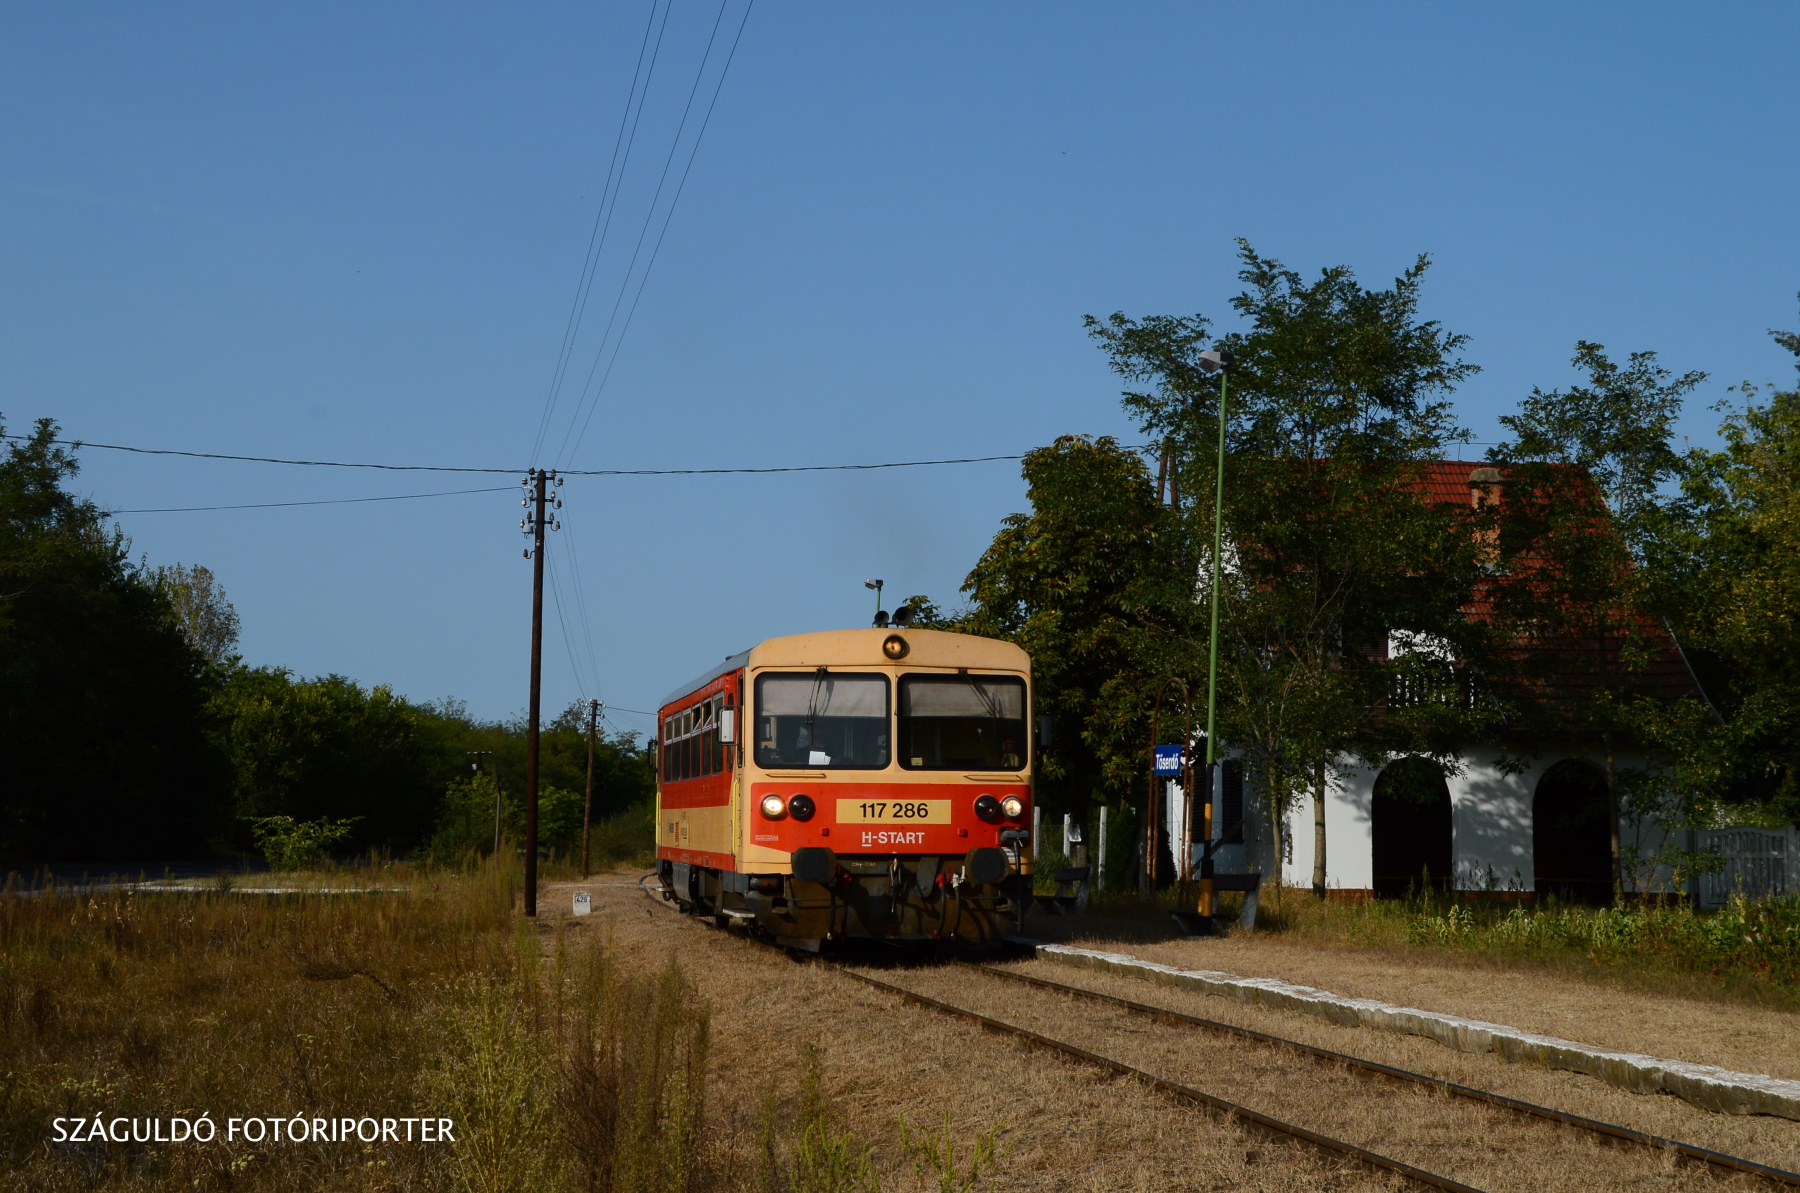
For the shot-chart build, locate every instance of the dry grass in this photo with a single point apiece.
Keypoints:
(628, 1051)
(560, 1069)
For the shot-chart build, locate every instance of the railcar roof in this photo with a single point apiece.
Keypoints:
(841, 648)
(731, 663)
(858, 648)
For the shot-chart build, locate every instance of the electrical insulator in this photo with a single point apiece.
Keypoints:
(559, 526)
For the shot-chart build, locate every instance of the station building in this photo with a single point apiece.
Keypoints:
(1520, 818)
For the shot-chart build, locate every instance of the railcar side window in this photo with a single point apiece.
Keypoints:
(957, 722)
(822, 718)
(691, 746)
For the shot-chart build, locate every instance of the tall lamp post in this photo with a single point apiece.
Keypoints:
(475, 757)
(1220, 363)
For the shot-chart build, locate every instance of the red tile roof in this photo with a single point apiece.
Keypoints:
(1559, 672)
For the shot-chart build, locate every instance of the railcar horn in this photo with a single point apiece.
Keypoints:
(903, 617)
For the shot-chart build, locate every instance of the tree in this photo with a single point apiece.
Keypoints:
(201, 610)
(104, 712)
(1336, 407)
(329, 748)
(1584, 470)
(1072, 582)
(1726, 561)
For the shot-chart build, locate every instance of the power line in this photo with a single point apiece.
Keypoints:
(592, 401)
(581, 604)
(265, 505)
(164, 451)
(615, 182)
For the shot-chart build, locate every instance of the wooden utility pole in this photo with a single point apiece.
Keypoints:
(539, 499)
(587, 814)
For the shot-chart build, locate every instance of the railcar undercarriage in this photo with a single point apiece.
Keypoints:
(965, 900)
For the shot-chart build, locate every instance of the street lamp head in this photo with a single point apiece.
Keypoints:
(874, 584)
(1217, 362)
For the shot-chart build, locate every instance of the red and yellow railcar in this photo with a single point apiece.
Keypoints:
(852, 783)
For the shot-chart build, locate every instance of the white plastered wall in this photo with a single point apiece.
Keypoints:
(1490, 816)
(1349, 858)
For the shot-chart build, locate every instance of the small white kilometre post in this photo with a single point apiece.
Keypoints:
(583, 904)
(1100, 859)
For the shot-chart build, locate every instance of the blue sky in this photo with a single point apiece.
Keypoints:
(354, 232)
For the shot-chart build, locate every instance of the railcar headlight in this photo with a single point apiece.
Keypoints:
(801, 807)
(773, 807)
(988, 808)
(1013, 806)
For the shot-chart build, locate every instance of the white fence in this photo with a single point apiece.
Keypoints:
(1758, 862)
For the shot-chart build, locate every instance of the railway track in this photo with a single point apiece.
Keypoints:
(1610, 1132)
(1689, 1151)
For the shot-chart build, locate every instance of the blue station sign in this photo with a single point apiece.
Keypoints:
(1168, 761)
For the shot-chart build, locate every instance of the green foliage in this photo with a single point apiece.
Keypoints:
(574, 1074)
(289, 844)
(1072, 582)
(1726, 564)
(330, 748)
(1335, 407)
(1581, 508)
(1046, 863)
(1758, 938)
(200, 608)
(465, 826)
(103, 704)
(934, 1156)
(826, 1158)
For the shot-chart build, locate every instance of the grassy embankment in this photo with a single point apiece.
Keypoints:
(562, 1067)
(1748, 951)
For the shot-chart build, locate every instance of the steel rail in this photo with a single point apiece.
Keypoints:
(1628, 1134)
(1326, 1142)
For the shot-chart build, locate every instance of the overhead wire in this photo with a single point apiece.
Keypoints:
(638, 248)
(568, 449)
(563, 623)
(162, 451)
(264, 505)
(581, 610)
(603, 213)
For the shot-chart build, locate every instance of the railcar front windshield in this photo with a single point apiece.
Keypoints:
(822, 718)
(962, 722)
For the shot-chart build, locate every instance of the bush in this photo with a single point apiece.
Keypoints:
(1761, 938)
(289, 844)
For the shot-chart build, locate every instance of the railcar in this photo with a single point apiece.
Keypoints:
(852, 784)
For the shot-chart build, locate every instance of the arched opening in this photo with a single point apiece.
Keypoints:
(1571, 833)
(1410, 828)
